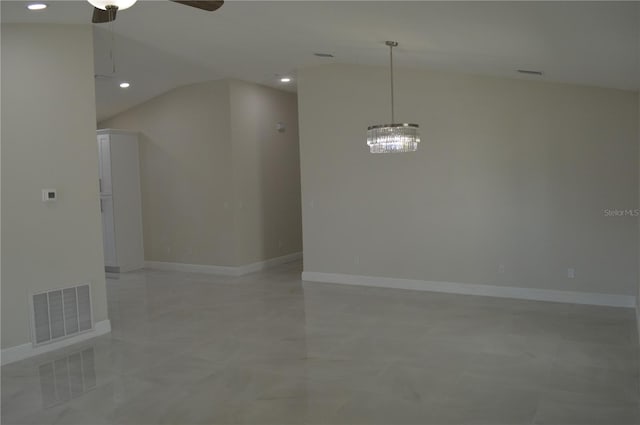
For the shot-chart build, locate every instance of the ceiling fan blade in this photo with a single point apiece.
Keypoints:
(101, 16)
(208, 5)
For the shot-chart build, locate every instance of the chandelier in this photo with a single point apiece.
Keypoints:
(394, 137)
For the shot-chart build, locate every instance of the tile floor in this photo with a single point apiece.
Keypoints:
(267, 348)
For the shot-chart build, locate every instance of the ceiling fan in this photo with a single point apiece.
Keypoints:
(105, 10)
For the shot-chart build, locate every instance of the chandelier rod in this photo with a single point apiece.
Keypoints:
(111, 10)
(391, 73)
(391, 45)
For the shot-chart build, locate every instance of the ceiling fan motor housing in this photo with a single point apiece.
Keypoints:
(118, 4)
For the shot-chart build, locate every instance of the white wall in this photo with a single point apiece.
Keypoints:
(220, 186)
(48, 141)
(266, 167)
(509, 172)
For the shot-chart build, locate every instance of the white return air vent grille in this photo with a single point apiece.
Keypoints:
(61, 313)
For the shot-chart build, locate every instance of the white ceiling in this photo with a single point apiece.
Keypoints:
(160, 45)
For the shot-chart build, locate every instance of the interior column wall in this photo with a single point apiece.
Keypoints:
(266, 169)
(48, 142)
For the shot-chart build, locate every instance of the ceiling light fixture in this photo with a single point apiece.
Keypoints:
(108, 4)
(285, 80)
(36, 6)
(394, 137)
(125, 85)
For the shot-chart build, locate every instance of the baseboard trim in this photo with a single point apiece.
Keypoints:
(23, 351)
(223, 270)
(192, 268)
(591, 298)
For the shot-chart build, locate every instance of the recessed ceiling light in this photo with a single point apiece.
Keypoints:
(285, 80)
(124, 85)
(36, 6)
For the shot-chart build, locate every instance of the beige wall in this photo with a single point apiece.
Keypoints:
(266, 167)
(219, 185)
(185, 172)
(509, 172)
(48, 141)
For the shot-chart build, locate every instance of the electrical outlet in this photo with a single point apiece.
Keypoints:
(571, 273)
(356, 259)
(501, 268)
(49, 195)
(280, 243)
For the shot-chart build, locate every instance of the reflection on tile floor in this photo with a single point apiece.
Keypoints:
(67, 377)
(266, 348)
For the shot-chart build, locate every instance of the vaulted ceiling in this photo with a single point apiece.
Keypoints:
(159, 45)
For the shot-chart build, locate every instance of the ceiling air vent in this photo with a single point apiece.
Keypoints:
(529, 72)
(61, 313)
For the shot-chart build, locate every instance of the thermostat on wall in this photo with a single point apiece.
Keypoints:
(49, 195)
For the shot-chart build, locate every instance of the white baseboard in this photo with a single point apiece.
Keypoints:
(130, 267)
(267, 264)
(591, 298)
(223, 270)
(23, 351)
